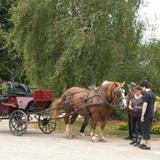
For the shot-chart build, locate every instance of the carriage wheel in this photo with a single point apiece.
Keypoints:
(18, 122)
(46, 124)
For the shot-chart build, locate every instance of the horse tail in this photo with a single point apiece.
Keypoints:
(55, 105)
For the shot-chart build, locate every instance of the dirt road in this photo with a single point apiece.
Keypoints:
(35, 145)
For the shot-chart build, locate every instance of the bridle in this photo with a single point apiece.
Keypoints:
(119, 92)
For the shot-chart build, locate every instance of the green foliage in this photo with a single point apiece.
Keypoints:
(150, 61)
(122, 125)
(77, 42)
(10, 61)
(157, 114)
(155, 129)
(120, 114)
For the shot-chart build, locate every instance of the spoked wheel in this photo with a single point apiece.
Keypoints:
(46, 124)
(18, 122)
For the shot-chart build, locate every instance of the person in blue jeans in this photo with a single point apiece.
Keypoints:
(148, 109)
(84, 125)
(135, 106)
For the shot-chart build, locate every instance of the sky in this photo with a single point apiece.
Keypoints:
(150, 13)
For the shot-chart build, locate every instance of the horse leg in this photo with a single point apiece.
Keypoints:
(93, 128)
(71, 121)
(66, 120)
(101, 134)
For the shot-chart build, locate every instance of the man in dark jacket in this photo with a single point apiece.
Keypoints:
(148, 109)
(131, 91)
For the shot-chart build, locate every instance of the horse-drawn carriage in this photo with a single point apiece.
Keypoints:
(21, 106)
(96, 103)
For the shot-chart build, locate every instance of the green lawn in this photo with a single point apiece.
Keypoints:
(111, 129)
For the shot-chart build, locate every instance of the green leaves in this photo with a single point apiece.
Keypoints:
(10, 61)
(76, 42)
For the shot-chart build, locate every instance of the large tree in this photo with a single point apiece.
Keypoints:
(77, 42)
(150, 63)
(10, 62)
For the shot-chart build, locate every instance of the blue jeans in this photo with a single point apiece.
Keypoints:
(146, 127)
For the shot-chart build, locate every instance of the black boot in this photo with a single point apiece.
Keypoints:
(138, 141)
(145, 147)
(133, 141)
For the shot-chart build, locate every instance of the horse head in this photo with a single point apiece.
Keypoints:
(114, 93)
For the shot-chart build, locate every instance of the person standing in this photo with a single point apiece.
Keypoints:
(131, 91)
(135, 106)
(148, 109)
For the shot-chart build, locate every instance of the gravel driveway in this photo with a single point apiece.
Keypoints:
(35, 145)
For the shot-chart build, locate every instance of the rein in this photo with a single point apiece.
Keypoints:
(55, 118)
(113, 105)
(70, 114)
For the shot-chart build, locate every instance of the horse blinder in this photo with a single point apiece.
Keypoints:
(118, 93)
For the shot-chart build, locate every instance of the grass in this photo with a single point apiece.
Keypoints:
(111, 129)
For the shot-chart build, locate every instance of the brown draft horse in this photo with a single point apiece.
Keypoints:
(96, 103)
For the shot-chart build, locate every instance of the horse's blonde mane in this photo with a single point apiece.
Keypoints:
(105, 82)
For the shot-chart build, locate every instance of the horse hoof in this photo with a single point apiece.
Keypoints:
(102, 139)
(73, 136)
(94, 139)
(70, 136)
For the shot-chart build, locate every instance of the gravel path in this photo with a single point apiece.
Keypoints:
(35, 145)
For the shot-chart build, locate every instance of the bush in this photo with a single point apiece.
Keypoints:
(157, 115)
(120, 114)
(122, 125)
(155, 129)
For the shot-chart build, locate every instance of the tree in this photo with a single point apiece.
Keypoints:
(10, 62)
(150, 63)
(77, 42)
